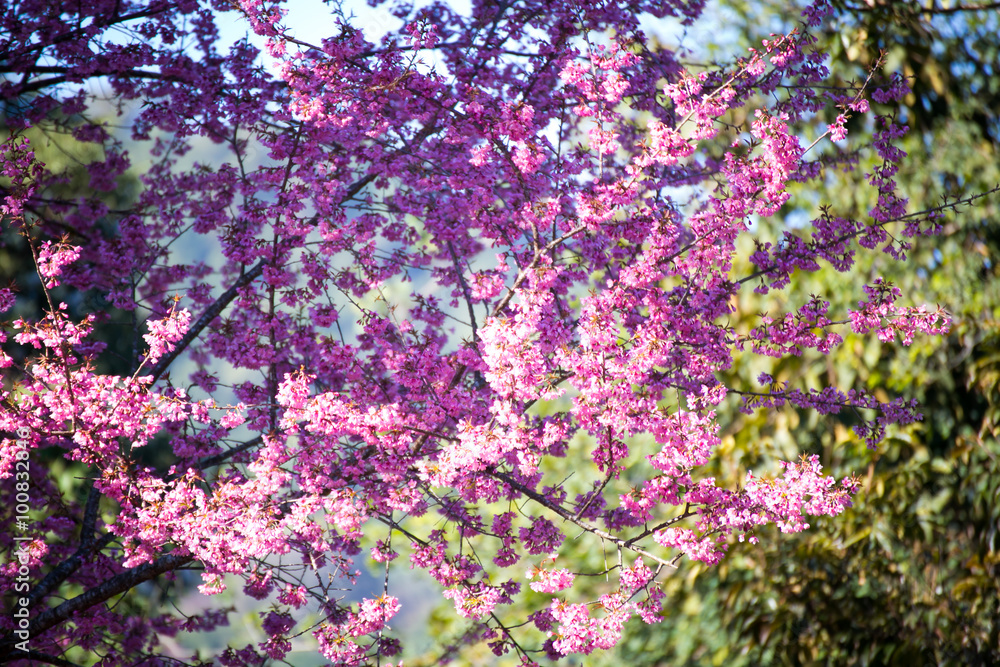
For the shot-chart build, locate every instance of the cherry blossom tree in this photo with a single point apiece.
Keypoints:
(435, 271)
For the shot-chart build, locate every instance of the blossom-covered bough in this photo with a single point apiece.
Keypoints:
(439, 272)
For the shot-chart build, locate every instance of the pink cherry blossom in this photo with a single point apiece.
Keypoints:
(551, 581)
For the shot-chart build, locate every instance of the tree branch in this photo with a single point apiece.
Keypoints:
(118, 584)
(39, 657)
(66, 568)
(206, 318)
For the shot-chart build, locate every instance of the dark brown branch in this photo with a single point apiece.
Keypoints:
(90, 518)
(206, 318)
(465, 290)
(35, 656)
(116, 585)
(41, 84)
(66, 568)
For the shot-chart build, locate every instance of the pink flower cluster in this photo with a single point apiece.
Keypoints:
(881, 314)
(550, 581)
(800, 490)
(52, 259)
(164, 333)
